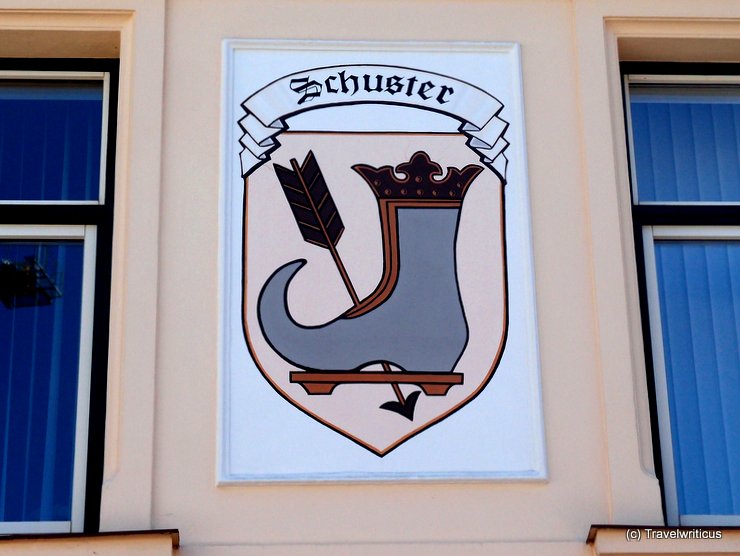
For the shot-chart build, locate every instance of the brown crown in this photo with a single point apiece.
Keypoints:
(421, 181)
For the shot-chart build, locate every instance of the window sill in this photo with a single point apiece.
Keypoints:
(161, 542)
(612, 540)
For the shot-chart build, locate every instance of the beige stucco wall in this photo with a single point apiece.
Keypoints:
(163, 390)
(417, 517)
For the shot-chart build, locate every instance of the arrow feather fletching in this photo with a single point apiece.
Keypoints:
(311, 202)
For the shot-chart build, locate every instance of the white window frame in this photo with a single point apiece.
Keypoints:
(104, 77)
(682, 233)
(88, 235)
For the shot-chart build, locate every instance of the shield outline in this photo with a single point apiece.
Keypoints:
(482, 384)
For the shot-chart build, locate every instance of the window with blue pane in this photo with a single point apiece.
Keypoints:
(686, 142)
(57, 130)
(685, 159)
(40, 317)
(699, 291)
(50, 140)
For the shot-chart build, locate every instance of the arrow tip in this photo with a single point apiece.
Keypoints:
(405, 409)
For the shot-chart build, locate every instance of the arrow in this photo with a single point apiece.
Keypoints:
(320, 224)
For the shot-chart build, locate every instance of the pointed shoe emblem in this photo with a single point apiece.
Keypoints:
(386, 361)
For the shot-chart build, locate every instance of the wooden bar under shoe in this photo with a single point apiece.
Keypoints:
(324, 382)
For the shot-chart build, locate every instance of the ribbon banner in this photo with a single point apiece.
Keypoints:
(268, 110)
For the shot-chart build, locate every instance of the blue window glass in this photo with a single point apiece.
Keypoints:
(699, 289)
(686, 142)
(40, 307)
(50, 140)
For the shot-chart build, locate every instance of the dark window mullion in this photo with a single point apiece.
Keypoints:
(686, 215)
(53, 214)
(101, 331)
(98, 377)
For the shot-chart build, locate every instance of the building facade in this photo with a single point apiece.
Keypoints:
(636, 379)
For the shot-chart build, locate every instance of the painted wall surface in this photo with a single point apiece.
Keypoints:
(161, 451)
(419, 517)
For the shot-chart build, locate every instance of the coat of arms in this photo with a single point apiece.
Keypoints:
(374, 268)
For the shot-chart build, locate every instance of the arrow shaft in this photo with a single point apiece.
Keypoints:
(396, 387)
(341, 268)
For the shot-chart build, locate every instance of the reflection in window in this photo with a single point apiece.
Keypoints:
(39, 360)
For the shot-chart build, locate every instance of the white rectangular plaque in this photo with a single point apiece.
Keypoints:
(377, 303)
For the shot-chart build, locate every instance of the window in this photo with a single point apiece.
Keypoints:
(57, 124)
(684, 139)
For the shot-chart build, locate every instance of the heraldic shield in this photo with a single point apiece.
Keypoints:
(374, 260)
